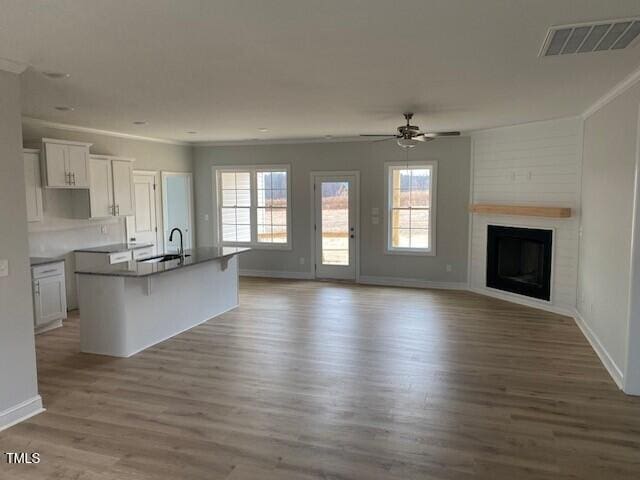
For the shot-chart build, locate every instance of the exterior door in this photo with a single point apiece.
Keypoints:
(145, 220)
(335, 198)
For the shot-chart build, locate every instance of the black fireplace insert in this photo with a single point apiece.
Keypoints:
(519, 260)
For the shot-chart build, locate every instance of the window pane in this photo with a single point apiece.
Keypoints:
(243, 180)
(264, 180)
(279, 198)
(229, 233)
(419, 238)
(335, 223)
(244, 198)
(243, 216)
(228, 198)
(401, 238)
(264, 233)
(264, 198)
(419, 219)
(279, 216)
(228, 180)
(401, 219)
(264, 216)
(229, 216)
(279, 233)
(244, 233)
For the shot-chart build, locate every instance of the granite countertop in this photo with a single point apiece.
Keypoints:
(139, 269)
(36, 261)
(114, 248)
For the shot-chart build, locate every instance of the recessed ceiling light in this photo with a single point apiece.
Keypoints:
(192, 132)
(56, 75)
(140, 122)
(63, 108)
(263, 130)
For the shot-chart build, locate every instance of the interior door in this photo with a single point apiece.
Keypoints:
(335, 226)
(123, 196)
(145, 221)
(101, 188)
(177, 209)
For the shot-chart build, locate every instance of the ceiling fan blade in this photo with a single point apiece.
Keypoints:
(420, 137)
(440, 134)
(384, 139)
(375, 135)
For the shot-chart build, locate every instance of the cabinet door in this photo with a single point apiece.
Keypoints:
(49, 299)
(123, 187)
(56, 164)
(79, 165)
(33, 186)
(100, 188)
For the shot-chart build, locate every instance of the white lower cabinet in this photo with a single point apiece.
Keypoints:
(49, 295)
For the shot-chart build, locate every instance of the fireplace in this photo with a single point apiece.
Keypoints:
(519, 260)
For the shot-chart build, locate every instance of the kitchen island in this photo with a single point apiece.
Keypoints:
(128, 307)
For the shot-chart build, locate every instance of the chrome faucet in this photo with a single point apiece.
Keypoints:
(181, 251)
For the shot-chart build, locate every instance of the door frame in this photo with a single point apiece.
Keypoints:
(315, 174)
(159, 210)
(163, 176)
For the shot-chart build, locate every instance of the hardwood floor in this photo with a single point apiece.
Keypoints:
(310, 380)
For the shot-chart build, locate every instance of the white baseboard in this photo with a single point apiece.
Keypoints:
(520, 300)
(20, 412)
(411, 282)
(605, 358)
(276, 274)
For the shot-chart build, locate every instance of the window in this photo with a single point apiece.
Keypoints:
(253, 206)
(411, 208)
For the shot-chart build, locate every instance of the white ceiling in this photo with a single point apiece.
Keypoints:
(304, 68)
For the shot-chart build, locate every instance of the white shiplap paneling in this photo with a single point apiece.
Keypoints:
(533, 164)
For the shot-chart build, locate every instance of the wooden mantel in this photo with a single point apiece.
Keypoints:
(522, 210)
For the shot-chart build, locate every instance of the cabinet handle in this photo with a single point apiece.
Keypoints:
(37, 285)
(118, 209)
(50, 271)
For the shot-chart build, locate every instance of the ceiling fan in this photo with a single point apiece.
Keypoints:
(409, 136)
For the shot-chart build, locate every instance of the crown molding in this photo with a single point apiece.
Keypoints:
(36, 122)
(278, 141)
(12, 66)
(619, 89)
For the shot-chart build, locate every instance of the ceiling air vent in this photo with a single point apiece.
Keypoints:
(591, 37)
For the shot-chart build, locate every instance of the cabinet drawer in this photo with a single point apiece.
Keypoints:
(48, 270)
(142, 253)
(119, 257)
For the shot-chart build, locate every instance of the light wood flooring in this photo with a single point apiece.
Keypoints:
(309, 380)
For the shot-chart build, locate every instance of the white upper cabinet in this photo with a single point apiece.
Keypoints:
(65, 163)
(33, 184)
(123, 186)
(101, 187)
(111, 186)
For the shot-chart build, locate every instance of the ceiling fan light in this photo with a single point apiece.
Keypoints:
(407, 142)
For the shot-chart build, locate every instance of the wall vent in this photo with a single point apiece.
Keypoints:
(590, 37)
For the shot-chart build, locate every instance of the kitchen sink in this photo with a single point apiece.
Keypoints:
(163, 258)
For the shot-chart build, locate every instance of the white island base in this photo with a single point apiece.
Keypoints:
(122, 315)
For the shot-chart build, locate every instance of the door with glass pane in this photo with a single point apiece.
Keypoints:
(335, 226)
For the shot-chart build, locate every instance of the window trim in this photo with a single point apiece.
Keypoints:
(433, 198)
(253, 211)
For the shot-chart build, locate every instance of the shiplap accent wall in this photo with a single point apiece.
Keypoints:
(532, 164)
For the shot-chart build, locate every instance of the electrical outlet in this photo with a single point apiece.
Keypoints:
(103, 229)
(449, 267)
(206, 217)
(302, 260)
(4, 267)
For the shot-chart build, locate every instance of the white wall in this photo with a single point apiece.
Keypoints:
(58, 234)
(18, 383)
(610, 144)
(531, 164)
(452, 154)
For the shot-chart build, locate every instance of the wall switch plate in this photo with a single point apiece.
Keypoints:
(302, 260)
(103, 229)
(206, 217)
(375, 211)
(375, 220)
(449, 267)
(4, 267)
